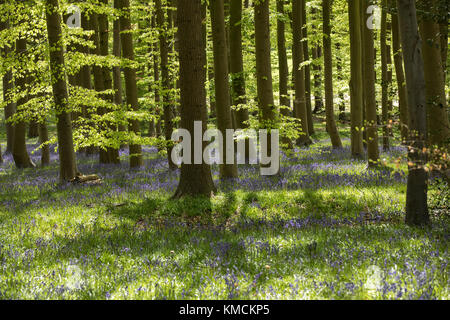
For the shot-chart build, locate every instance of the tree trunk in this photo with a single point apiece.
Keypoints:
(117, 78)
(439, 130)
(307, 69)
(164, 26)
(342, 115)
(416, 195)
(237, 64)
(369, 94)
(222, 89)
(8, 86)
(329, 105)
(285, 102)
(356, 82)
(299, 73)
(318, 101)
(67, 162)
(126, 39)
(384, 78)
(195, 179)
(400, 75)
(43, 138)
(20, 153)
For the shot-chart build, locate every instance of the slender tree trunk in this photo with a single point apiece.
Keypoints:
(8, 86)
(222, 89)
(356, 82)
(117, 78)
(20, 153)
(384, 77)
(164, 25)
(126, 39)
(437, 113)
(329, 105)
(416, 194)
(68, 167)
(195, 179)
(285, 102)
(43, 138)
(299, 73)
(369, 94)
(443, 30)
(307, 69)
(400, 75)
(342, 115)
(237, 64)
(318, 101)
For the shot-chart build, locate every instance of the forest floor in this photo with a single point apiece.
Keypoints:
(325, 228)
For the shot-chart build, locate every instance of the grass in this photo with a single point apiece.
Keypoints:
(326, 228)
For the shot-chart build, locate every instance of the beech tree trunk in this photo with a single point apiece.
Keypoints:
(437, 113)
(329, 104)
(384, 77)
(299, 73)
(67, 162)
(237, 64)
(8, 86)
(356, 82)
(164, 48)
(417, 187)
(222, 89)
(369, 94)
(20, 153)
(195, 179)
(126, 39)
(285, 102)
(400, 75)
(307, 69)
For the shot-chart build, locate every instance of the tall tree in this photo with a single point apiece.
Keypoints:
(369, 93)
(307, 68)
(416, 194)
(195, 179)
(67, 162)
(285, 102)
(437, 111)
(8, 86)
(329, 105)
(400, 76)
(126, 39)
(164, 26)
(356, 82)
(384, 77)
(222, 89)
(299, 72)
(237, 65)
(20, 153)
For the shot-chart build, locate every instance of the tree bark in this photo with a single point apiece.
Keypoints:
(20, 153)
(195, 179)
(369, 94)
(356, 82)
(416, 194)
(165, 25)
(67, 162)
(126, 39)
(400, 75)
(384, 78)
(307, 69)
(8, 86)
(237, 64)
(222, 89)
(439, 129)
(329, 105)
(299, 73)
